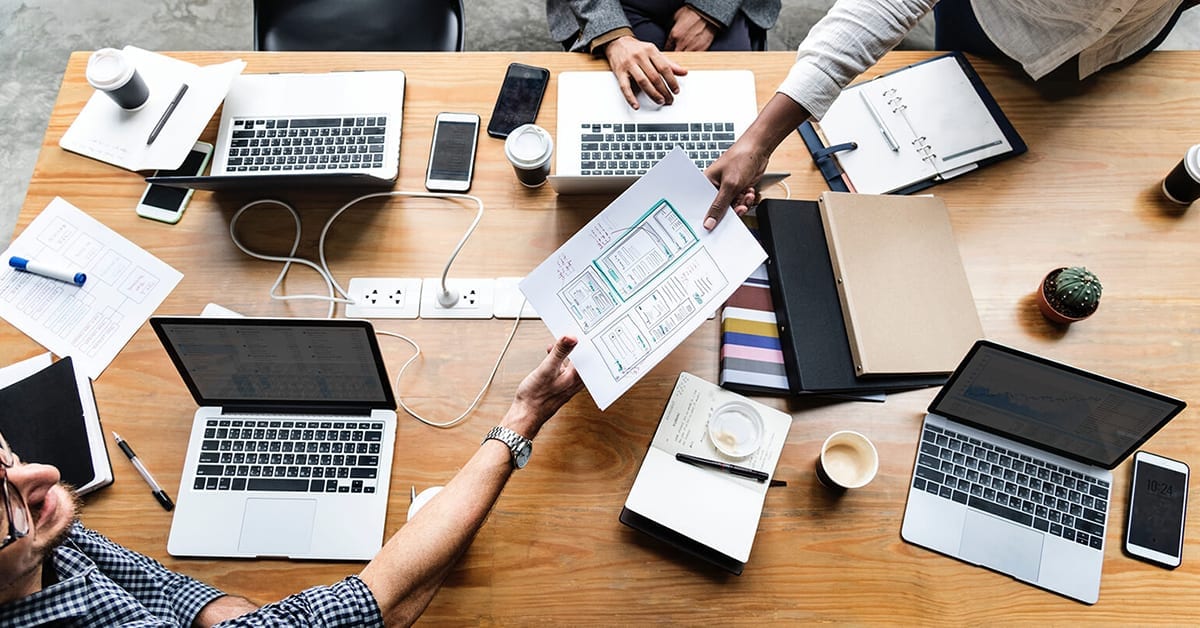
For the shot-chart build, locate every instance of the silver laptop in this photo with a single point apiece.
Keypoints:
(333, 128)
(604, 145)
(1014, 469)
(291, 449)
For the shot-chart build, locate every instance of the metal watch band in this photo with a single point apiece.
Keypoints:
(513, 440)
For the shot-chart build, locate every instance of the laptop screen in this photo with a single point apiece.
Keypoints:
(1052, 406)
(277, 361)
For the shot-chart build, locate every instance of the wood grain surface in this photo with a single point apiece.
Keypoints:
(553, 551)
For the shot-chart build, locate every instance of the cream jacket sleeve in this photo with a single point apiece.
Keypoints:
(852, 36)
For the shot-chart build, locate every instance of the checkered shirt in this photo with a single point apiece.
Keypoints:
(101, 583)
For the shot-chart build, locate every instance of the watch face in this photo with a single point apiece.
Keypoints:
(521, 457)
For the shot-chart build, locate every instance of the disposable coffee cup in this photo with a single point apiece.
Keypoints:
(848, 460)
(528, 149)
(1182, 184)
(111, 72)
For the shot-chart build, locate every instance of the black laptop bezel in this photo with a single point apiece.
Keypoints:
(222, 182)
(387, 403)
(981, 344)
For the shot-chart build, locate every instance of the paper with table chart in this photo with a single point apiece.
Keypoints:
(92, 322)
(111, 134)
(641, 276)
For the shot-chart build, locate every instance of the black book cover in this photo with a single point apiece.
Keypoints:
(681, 542)
(816, 351)
(41, 416)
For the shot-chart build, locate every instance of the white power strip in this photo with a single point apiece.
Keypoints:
(476, 298)
(510, 299)
(384, 297)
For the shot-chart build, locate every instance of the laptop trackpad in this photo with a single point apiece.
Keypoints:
(1003, 546)
(277, 527)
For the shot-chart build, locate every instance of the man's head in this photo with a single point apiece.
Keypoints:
(36, 511)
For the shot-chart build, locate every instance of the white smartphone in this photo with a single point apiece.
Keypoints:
(166, 204)
(1157, 509)
(452, 158)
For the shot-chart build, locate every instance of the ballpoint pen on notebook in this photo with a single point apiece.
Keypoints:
(167, 114)
(887, 136)
(734, 469)
(159, 494)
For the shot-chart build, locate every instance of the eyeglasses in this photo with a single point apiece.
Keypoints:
(16, 511)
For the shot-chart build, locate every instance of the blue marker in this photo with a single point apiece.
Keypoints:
(46, 270)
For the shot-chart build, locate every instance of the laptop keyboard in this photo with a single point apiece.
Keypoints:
(1012, 485)
(306, 144)
(314, 456)
(631, 149)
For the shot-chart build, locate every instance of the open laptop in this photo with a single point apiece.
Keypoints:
(290, 453)
(604, 145)
(325, 129)
(1014, 469)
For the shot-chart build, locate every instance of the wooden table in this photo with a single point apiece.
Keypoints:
(553, 550)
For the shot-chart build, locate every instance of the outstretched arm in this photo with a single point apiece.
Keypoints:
(412, 565)
(851, 37)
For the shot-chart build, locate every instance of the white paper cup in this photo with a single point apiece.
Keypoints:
(736, 429)
(111, 72)
(848, 460)
(528, 149)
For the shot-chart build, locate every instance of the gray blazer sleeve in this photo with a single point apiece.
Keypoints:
(592, 18)
(762, 12)
(589, 18)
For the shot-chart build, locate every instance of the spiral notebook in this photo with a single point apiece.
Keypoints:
(909, 129)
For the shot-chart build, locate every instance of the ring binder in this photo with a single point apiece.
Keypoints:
(932, 108)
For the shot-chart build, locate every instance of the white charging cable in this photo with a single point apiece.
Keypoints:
(474, 402)
(447, 298)
(289, 259)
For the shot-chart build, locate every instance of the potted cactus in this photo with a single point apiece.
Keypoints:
(1069, 294)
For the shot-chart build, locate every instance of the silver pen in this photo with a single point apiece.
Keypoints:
(159, 494)
(891, 141)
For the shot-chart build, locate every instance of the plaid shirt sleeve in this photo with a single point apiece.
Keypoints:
(165, 593)
(346, 603)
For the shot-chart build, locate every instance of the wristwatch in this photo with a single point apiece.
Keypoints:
(519, 446)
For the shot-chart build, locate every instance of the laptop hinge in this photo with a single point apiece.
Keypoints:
(308, 410)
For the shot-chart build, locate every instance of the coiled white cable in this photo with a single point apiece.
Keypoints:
(335, 288)
(475, 402)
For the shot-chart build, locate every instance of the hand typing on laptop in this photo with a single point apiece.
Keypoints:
(39, 516)
(640, 65)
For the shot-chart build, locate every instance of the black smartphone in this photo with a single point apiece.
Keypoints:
(519, 100)
(452, 157)
(1157, 509)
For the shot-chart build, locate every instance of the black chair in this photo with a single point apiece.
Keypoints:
(358, 25)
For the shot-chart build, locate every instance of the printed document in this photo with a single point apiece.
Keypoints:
(642, 276)
(92, 322)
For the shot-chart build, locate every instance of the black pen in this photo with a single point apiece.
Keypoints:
(159, 494)
(753, 474)
(167, 114)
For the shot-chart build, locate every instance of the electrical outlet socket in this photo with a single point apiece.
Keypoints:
(384, 297)
(509, 299)
(476, 298)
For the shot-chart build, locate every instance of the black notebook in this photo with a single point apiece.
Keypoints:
(50, 418)
(909, 129)
(812, 332)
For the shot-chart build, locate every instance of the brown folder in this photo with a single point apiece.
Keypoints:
(904, 293)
